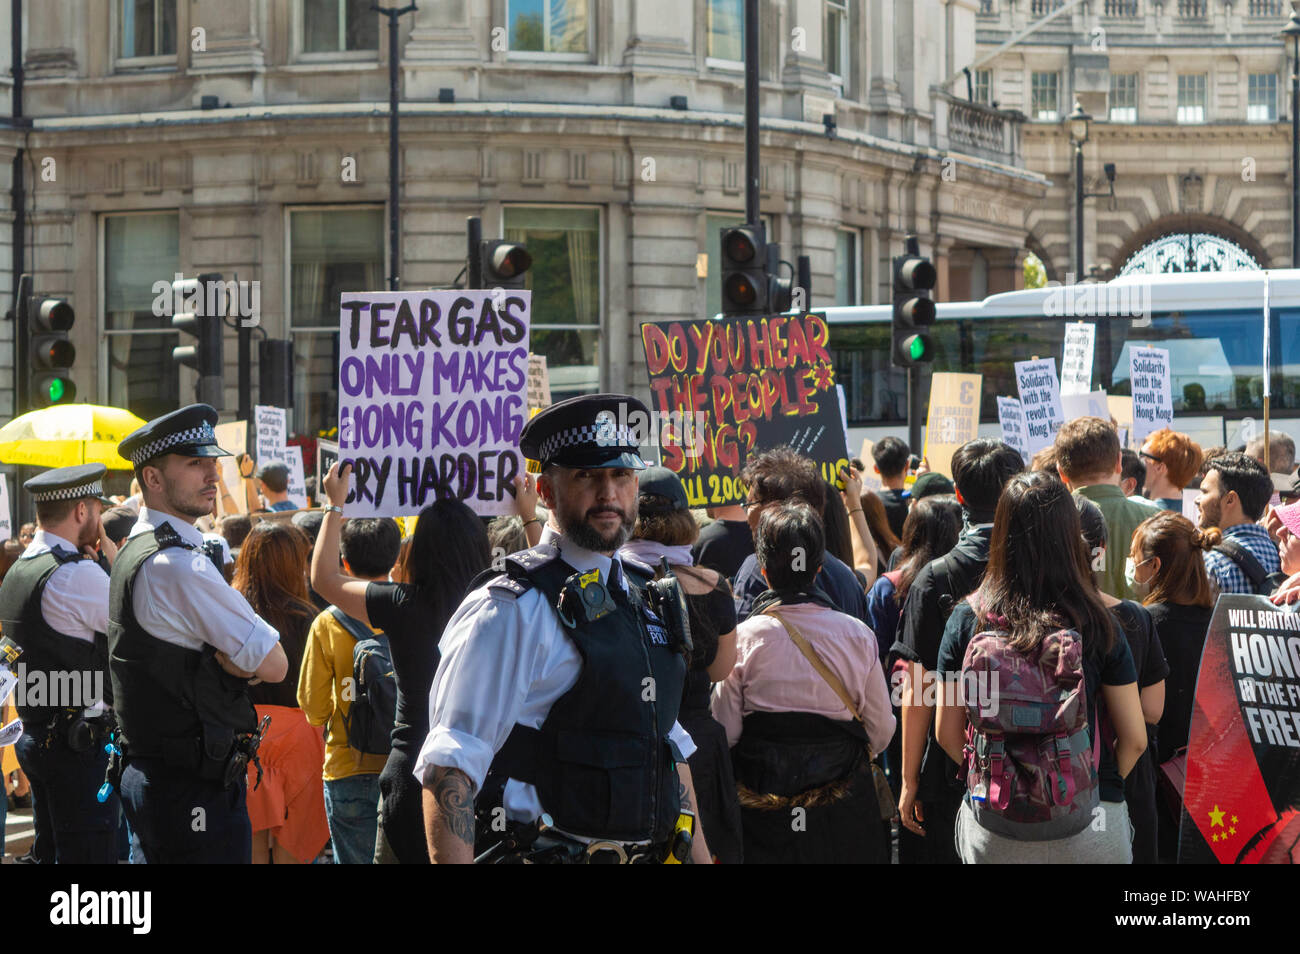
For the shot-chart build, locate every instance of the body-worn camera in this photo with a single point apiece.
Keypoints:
(668, 600)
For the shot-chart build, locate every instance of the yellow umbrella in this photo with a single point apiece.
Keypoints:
(68, 434)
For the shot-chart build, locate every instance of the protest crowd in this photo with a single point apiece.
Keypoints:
(822, 656)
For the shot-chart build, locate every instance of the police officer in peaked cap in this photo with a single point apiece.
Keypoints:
(182, 647)
(54, 604)
(553, 731)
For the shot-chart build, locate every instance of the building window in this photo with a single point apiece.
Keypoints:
(726, 29)
(1123, 97)
(139, 252)
(337, 26)
(1045, 90)
(835, 39)
(847, 287)
(332, 251)
(147, 28)
(548, 26)
(565, 282)
(982, 87)
(1191, 97)
(1261, 105)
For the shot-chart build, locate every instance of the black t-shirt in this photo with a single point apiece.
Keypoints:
(712, 614)
(285, 692)
(406, 614)
(1143, 642)
(723, 546)
(1115, 669)
(836, 580)
(895, 509)
(1182, 632)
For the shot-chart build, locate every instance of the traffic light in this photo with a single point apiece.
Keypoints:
(275, 372)
(914, 279)
(51, 353)
(206, 355)
(780, 291)
(503, 264)
(744, 270)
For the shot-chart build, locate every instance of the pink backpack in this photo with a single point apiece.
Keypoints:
(1031, 759)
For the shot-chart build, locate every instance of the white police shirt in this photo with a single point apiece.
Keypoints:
(182, 598)
(75, 601)
(505, 660)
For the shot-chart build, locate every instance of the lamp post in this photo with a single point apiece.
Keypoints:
(1079, 121)
(1292, 32)
(394, 244)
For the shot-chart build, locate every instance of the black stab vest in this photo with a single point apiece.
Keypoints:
(45, 649)
(172, 703)
(601, 761)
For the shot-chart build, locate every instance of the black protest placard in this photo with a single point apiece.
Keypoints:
(1242, 794)
(723, 390)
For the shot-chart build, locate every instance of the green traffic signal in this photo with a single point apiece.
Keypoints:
(56, 390)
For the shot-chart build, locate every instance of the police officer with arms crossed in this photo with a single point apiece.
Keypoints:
(553, 712)
(54, 604)
(183, 645)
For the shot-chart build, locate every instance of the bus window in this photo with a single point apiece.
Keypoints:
(996, 344)
(875, 391)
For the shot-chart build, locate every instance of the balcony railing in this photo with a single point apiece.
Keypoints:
(1041, 8)
(1192, 9)
(1264, 8)
(1120, 8)
(982, 130)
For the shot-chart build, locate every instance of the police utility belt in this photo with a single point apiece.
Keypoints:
(221, 755)
(78, 733)
(539, 843)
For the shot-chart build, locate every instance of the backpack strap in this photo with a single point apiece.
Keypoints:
(357, 629)
(1245, 561)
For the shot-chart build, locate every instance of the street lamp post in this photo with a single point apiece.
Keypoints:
(1079, 121)
(394, 243)
(1292, 32)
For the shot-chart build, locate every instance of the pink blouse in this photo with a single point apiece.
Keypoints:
(772, 675)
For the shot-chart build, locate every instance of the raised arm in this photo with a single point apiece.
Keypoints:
(327, 576)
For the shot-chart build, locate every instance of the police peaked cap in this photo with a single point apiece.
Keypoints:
(187, 432)
(589, 431)
(69, 483)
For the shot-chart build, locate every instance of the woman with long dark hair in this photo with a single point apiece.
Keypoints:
(448, 549)
(1038, 583)
(287, 810)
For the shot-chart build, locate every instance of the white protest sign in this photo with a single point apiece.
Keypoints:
(271, 431)
(233, 437)
(1076, 359)
(844, 413)
(1153, 406)
(1189, 505)
(1040, 401)
(1012, 420)
(1092, 404)
(870, 479)
(539, 383)
(432, 397)
(297, 480)
(6, 521)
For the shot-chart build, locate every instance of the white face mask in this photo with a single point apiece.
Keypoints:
(1140, 589)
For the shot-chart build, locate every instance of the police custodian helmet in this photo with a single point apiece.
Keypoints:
(590, 431)
(187, 432)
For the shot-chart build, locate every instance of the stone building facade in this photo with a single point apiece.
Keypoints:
(249, 138)
(1189, 100)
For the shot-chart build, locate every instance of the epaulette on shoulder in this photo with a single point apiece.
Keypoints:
(509, 584)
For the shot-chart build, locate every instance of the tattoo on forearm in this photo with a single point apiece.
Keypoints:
(684, 796)
(455, 796)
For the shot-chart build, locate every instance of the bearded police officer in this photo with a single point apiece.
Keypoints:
(183, 645)
(54, 604)
(553, 712)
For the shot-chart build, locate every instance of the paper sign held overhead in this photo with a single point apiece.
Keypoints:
(6, 515)
(327, 452)
(539, 383)
(271, 434)
(1012, 420)
(432, 397)
(233, 437)
(1040, 402)
(1076, 360)
(1092, 404)
(1153, 406)
(297, 481)
(954, 417)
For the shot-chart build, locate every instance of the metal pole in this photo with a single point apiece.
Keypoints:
(473, 267)
(804, 281)
(1078, 211)
(914, 409)
(1295, 153)
(23, 507)
(751, 112)
(394, 254)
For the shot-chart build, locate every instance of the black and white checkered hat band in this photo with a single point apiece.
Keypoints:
(192, 435)
(93, 489)
(600, 435)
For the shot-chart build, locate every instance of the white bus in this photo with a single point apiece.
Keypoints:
(1212, 324)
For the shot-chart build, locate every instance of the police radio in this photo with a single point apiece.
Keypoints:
(669, 602)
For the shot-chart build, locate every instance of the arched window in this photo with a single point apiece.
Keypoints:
(1189, 252)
